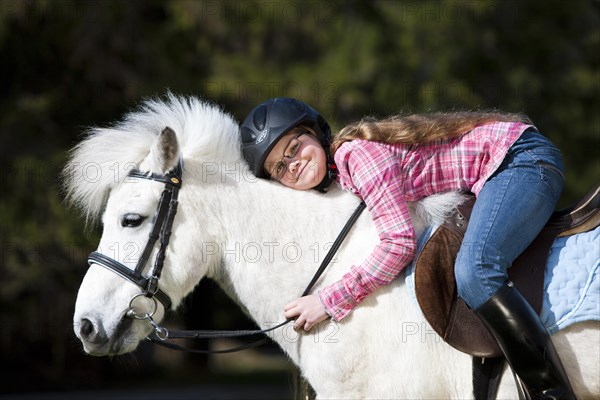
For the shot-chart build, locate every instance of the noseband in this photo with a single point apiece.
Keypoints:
(161, 231)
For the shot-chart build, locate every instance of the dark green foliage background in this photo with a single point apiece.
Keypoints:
(66, 65)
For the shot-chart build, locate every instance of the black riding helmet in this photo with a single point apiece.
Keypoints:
(271, 120)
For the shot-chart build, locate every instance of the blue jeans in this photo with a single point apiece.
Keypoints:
(511, 209)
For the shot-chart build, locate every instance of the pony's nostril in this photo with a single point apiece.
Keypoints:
(92, 333)
(87, 328)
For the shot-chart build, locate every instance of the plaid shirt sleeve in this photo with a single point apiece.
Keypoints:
(374, 173)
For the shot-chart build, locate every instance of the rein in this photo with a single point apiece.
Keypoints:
(161, 232)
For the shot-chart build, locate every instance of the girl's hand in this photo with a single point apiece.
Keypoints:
(309, 310)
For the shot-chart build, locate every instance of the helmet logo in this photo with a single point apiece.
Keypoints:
(261, 137)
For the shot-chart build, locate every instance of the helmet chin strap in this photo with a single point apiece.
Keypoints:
(332, 172)
(330, 176)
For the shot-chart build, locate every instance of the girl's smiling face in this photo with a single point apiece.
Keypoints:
(298, 160)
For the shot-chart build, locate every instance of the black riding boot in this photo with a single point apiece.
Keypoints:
(526, 344)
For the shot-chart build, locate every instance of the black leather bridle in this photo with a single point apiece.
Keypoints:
(161, 231)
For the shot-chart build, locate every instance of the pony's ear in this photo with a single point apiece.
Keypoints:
(164, 154)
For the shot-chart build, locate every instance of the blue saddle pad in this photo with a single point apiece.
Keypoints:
(571, 284)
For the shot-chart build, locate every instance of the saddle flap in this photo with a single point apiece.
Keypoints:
(435, 290)
(434, 281)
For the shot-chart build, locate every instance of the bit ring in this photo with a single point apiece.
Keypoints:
(133, 314)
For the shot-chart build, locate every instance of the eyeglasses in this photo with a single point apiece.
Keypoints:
(278, 171)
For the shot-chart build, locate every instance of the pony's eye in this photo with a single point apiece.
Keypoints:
(132, 220)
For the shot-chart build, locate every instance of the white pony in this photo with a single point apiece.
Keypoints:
(262, 242)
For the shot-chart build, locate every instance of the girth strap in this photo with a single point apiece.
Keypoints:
(486, 377)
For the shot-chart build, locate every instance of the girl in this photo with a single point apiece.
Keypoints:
(501, 158)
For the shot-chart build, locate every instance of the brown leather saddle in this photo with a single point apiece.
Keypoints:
(435, 285)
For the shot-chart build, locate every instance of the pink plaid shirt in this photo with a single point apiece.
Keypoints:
(386, 176)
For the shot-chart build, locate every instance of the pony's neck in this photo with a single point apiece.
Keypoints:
(274, 239)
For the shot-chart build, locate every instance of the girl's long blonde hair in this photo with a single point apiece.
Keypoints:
(420, 128)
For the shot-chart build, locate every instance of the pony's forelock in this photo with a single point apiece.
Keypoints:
(105, 155)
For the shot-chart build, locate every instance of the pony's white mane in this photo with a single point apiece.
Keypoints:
(102, 160)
